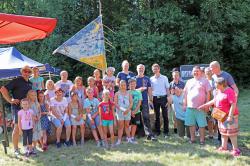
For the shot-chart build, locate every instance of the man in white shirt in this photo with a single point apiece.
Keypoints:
(160, 91)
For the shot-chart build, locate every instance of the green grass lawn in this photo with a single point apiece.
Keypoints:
(171, 151)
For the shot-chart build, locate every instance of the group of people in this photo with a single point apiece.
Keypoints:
(102, 108)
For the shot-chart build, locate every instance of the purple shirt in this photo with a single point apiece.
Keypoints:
(196, 91)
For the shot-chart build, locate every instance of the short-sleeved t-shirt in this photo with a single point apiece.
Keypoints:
(36, 83)
(178, 107)
(196, 91)
(109, 79)
(26, 119)
(123, 76)
(180, 84)
(143, 82)
(91, 104)
(65, 86)
(223, 100)
(137, 96)
(19, 87)
(228, 78)
(106, 110)
(59, 106)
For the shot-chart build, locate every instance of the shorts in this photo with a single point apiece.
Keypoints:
(76, 123)
(194, 116)
(14, 112)
(58, 123)
(107, 123)
(96, 120)
(120, 116)
(136, 120)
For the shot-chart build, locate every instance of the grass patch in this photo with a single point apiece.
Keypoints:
(172, 151)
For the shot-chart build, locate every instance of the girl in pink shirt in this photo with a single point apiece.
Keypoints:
(25, 124)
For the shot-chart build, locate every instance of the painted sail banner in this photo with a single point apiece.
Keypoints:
(87, 45)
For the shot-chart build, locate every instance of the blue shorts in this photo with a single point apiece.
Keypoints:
(96, 120)
(58, 123)
(194, 116)
(107, 123)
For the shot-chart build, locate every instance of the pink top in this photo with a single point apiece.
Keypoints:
(26, 119)
(223, 100)
(196, 91)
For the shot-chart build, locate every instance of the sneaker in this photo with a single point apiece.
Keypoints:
(128, 140)
(175, 130)
(202, 143)
(27, 154)
(106, 145)
(118, 143)
(33, 152)
(149, 137)
(98, 144)
(236, 152)
(112, 146)
(153, 138)
(82, 142)
(166, 135)
(133, 141)
(16, 152)
(74, 144)
(58, 145)
(103, 144)
(67, 143)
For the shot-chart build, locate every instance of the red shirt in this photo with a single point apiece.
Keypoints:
(223, 100)
(106, 110)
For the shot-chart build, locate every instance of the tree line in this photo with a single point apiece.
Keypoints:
(167, 32)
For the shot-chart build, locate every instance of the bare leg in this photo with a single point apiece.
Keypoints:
(105, 132)
(210, 128)
(224, 140)
(15, 136)
(234, 142)
(192, 132)
(100, 131)
(127, 128)
(74, 134)
(95, 134)
(68, 132)
(133, 130)
(82, 128)
(111, 131)
(202, 134)
(58, 134)
(120, 129)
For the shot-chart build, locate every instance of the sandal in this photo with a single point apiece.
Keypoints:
(191, 142)
(222, 149)
(202, 143)
(236, 152)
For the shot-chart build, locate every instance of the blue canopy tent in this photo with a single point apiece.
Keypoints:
(11, 61)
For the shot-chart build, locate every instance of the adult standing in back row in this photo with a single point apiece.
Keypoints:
(160, 91)
(144, 85)
(125, 74)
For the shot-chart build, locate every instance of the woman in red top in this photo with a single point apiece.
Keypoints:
(226, 100)
(91, 84)
(106, 111)
(98, 81)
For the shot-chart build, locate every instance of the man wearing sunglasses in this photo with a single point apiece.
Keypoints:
(13, 93)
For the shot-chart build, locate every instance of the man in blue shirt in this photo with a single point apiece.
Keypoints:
(143, 84)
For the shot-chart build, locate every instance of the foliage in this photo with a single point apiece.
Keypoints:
(167, 32)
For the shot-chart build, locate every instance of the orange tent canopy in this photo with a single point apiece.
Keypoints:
(19, 28)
